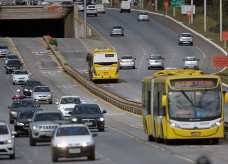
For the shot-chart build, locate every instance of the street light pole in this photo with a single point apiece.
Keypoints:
(220, 20)
(156, 5)
(205, 15)
(191, 11)
(85, 29)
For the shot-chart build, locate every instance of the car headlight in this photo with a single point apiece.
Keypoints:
(26, 78)
(173, 125)
(35, 127)
(26, 90)
(14, 77)
(49, 95)
(8, 67)
(101, 119)
(34, 95)
(13, 113)
(84, 144)
(62, 145)
(9, 141)
(74, 119)
(218, 123)
(61, 107)
(20, 124)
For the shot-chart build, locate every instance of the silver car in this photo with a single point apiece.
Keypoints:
(127, 61)
(155, 61)
(143, 16)
(42, 93)
(91, 10)
(4, 50)
(80, 5)
(10, 56)
(72, 140)
(43, 124)
(7, 146)
(185, 38)
(100, 8)
(191, 62)
(117, 30)
(20, 76)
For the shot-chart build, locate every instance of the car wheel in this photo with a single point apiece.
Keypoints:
(122, 34)
(13, 83)
(138, 20)
(133, 67)
(54, 157)
(91, 157)
(87, 15)
(11, 121)
(120, 11)
(162, 68)
(101, 129)
(179, 43)
(150, 138)
(192, 44)
(31, 141)
(148, 68)
(17, 135)
(103, 12)
(7, 72)
(110, 34)
(129, 11)
(95, 15)
(12, 156)
(148, 20)
(50, 102)
(215, 141)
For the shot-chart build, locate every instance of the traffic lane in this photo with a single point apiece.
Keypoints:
(65, 82)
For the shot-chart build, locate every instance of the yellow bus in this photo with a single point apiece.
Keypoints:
(103, 65)
(183, 104)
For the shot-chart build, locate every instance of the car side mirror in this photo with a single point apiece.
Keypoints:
(57, 103)
(104, 111)
(94, 135)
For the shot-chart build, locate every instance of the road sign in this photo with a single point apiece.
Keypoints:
(177, 3)
(186, 8)
(220, 61)
(166, 5)
(189, 14)
(52, 8)
(224, 35)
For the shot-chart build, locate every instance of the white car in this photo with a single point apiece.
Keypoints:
(91, 10)
(7, 146)
(185, 38)
(72, 140)
(191, 62)
(80, 5)
(20, 76)
(100, 8)
(67, 104)
(143, 16)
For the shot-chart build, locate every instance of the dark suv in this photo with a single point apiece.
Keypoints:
(90, 115)
(13, 64)
(28, 87)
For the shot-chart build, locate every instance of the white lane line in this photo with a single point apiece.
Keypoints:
(204, 55)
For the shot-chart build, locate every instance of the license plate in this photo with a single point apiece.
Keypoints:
(74, 151)
(49, 134)
(89, 123)
(196, 133)
(105, 73)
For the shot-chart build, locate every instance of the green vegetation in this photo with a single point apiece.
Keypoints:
(53, 41)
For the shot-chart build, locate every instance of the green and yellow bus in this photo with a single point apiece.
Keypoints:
(183, 104)
(103, 65)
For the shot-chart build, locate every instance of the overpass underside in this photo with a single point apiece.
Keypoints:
(36, 21)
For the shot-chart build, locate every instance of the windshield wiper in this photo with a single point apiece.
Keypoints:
(202, 96)
(187, 98)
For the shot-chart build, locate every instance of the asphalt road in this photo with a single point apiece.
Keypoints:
(123, 140)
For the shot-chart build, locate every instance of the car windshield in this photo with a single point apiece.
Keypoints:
(194, 104)
(4, 129)
(143, 13)
(20, 72)
(126, 57)
(72, 131)
(48, 117)
(25, 115)
(3, 47)
(155, 57)
(12, 57)
(42, 89)
(32, 83)
(87, 109)
(117, 27)
(70, 100)
(100, 5)
(91, 7)
(14, 62)
(191, 59)
(25, 104)
(186, 35)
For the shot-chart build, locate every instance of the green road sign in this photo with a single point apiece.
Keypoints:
(177, 3)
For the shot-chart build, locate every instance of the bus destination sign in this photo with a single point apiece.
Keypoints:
(193, 83)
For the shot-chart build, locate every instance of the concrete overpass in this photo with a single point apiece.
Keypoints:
(32, 21)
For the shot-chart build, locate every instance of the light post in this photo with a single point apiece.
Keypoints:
(85, 29)
(205, 15)
(220, 20)
(191, 11)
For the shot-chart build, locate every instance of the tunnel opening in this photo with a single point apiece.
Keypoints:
(32, 28)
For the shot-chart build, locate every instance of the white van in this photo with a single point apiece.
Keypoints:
(125, 6)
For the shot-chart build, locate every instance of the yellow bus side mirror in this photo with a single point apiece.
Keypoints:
(226, 98)
(164, 100)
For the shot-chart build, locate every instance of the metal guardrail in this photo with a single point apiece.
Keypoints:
(127, 105)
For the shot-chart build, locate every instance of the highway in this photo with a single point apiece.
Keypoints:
(123, 140)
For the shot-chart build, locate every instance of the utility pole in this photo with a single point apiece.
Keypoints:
(205, 15)
(174, 10)
(85, 29)
(156, 5)
(220, 20)
(191, 11)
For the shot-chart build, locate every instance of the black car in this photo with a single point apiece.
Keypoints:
(21, 123)
(19, 105)
(13, 64)
(28, 87)
(90, 115)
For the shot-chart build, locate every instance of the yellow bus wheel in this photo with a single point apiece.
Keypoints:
(150, 138)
